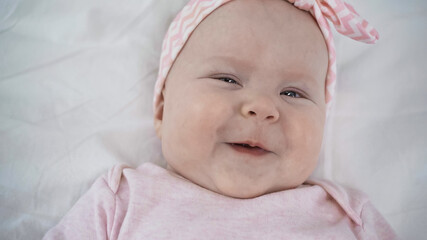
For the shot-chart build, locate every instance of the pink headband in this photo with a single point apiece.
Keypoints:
(345, 19)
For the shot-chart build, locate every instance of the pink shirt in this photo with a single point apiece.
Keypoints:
(152, 203)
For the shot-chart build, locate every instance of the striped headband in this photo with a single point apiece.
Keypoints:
(343, 16)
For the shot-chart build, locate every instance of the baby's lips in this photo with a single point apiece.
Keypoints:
(252, 144)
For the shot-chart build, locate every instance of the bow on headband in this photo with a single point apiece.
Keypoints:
(345, 19)
(343, 16)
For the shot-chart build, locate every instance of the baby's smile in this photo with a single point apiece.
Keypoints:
(243, 106)
(252, 148)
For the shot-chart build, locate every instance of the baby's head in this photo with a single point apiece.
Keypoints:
(243, 108)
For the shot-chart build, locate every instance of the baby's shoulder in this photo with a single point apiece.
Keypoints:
(122, 174)
(114, 175)
(351, 200)
(359, 208)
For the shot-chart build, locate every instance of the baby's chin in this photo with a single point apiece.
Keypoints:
(241, 193)
(240, 186)
(248, 190)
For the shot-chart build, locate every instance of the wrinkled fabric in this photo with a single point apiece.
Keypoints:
(152, 203)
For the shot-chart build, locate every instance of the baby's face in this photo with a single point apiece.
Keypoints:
(252, 72)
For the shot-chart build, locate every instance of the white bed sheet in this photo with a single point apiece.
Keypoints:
(76, 83)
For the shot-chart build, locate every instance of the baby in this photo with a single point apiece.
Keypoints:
(240, 105)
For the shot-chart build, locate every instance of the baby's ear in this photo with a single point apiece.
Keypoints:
(158, 115)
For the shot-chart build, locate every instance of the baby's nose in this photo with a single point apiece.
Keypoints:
(262, 108)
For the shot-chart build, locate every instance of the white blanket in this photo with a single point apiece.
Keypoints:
(76, 88)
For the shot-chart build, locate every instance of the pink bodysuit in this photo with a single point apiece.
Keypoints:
(152, 203)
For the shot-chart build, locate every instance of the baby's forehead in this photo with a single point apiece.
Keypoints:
(243, 25)
(271, 35)
(253, 14)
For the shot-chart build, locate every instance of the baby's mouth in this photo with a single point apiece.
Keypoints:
(244, 145)
(248, 149)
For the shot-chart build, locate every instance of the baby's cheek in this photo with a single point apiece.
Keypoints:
(209, 112)
(197, 117)
(304, 136)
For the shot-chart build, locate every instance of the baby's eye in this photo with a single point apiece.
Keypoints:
(291, 94)
(227, 80)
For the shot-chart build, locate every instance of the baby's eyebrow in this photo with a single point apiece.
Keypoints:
(234, 63)
(229, 64)
(229, 59)
(300, 76)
